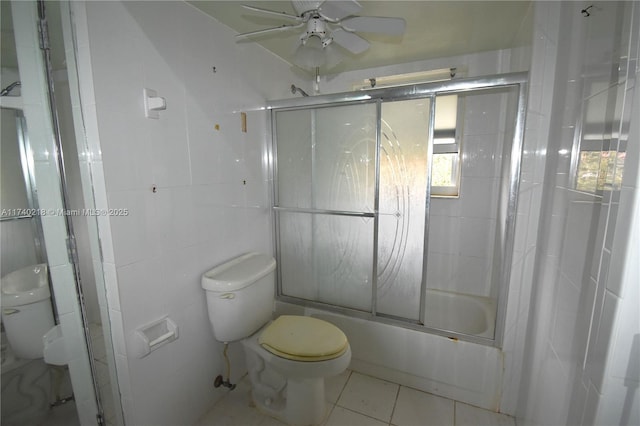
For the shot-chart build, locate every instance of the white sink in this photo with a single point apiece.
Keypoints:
(27, 313)
(25, 286)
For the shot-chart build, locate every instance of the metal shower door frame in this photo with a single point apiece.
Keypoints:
(416, 91)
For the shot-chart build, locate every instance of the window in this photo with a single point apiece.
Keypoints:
(445, 173)
(445, 168)
(599, 170)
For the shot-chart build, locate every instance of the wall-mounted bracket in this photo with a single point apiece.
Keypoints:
(153, 103)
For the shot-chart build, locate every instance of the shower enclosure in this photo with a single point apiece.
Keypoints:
(399, 204)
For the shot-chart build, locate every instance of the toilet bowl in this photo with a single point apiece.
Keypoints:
(288, 380)
(287, 358)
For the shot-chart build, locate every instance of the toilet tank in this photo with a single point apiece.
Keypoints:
(240, 295)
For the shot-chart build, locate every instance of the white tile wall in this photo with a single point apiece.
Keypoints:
(210, 202)
(540, 59)
(578, 324)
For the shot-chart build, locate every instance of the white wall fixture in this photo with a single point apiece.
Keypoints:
(153, 103)
(150, 337)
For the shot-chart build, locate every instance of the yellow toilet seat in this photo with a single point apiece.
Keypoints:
(306, 339)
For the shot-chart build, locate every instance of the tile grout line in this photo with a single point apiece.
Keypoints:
(361, 414)
(334, 404)
(395, 403)
(455, 405)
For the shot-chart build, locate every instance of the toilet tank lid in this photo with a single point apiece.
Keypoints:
(238, 273)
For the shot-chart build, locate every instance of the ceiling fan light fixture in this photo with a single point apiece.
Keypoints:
(309, 53)
(314, 52)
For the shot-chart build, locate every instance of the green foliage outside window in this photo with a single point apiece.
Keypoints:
(600, 170)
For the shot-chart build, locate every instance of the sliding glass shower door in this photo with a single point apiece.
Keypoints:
(326, 198)
(398, 204)
(337, 166)
(404, 165)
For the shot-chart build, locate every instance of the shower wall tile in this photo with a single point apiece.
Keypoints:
(577, 250)
(472, 276)
(584, 332)
(482, 115)
(444, 207)
(445, 235)
(616, 263)
(478, 234)
(480, 156)
(478, 197)
(541, 85)
(440, 270)
(597, 355)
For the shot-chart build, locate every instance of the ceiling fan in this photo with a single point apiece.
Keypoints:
(327, 22)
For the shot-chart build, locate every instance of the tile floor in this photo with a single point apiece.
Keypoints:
(354, 399)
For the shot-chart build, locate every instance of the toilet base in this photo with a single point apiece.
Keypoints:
(280, 389)
(301, 403)
(305, 401)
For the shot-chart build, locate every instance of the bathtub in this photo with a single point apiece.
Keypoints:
(452, 368)
(460, 313)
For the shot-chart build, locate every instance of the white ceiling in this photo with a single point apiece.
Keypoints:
(435, 29)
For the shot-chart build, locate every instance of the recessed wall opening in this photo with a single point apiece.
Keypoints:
(386, 210)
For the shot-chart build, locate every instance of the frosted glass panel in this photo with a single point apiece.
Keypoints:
(294, 158)
(344, 172)
(403, 188)
(326, 258)
(326, 158)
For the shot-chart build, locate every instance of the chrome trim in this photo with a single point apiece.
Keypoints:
(402, 92)
(314, 140)
(28, 173)
(275, 201)
(510, 226)
(427, 211)
(10, 218)
(321, 211)
(376, 208)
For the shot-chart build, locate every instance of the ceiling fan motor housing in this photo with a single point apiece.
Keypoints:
(316, 27)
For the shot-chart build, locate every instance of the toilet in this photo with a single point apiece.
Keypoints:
(287, 358)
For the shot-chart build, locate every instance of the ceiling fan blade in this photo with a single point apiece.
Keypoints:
(350, 41)
(272, 12)
(334, 10)
(268, 30)
(374, 24)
